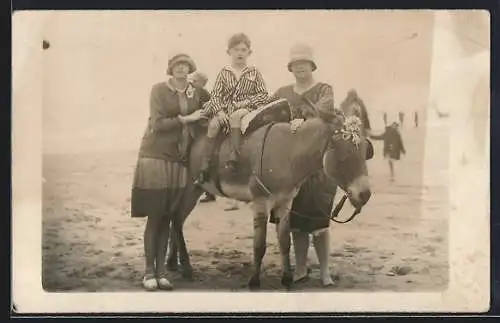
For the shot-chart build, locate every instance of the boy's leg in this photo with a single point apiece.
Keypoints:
(236, 136)
(213, 131)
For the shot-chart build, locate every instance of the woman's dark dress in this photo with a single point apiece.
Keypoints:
(161, 181)
(312, 205)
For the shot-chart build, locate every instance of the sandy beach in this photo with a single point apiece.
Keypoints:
(90, 242)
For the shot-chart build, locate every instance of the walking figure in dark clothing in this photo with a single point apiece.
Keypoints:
(393, 145)
(401, 118)
(385, 119)
(415, 117)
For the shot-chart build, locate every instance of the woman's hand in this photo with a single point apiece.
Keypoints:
(193, 117)
(295, 124)
(241, 104)
(197, 115)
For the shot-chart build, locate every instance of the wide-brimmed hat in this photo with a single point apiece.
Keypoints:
(178, 58)
(301, 52)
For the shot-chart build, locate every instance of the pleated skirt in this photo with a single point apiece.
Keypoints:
(158, 188)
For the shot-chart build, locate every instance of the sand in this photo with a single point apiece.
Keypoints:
(90, 242)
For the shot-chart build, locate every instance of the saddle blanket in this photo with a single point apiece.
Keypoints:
(277, 111)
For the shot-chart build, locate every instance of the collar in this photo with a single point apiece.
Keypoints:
(245, 69)
(302, 91)
(171, 86)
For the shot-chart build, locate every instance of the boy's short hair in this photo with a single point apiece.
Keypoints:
(239, 38)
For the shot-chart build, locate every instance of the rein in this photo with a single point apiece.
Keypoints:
(333, 214)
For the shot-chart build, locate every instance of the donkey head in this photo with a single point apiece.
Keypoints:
(345, 158)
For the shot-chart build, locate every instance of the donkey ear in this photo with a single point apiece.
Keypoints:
(369, 149)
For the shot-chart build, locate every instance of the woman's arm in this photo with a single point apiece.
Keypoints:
(378, 137)
(326, 92)
(158, 121)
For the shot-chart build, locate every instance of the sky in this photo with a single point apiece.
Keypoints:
(101, 65)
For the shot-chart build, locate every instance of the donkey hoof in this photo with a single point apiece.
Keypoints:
(187, 273)
(287, 280)
(254, 283)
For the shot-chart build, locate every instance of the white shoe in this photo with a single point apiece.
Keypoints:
(164, 283)
(326, 280)
(149, 283)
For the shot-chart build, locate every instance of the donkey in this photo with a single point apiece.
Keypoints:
(274, 164)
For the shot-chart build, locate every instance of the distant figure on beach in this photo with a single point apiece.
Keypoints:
(401, 116)
(199, 80)
(415, 118)
(393, 145)
(353, 105)
(385, 119)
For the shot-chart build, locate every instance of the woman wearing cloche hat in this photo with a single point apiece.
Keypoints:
(309, 98)
(161, 180)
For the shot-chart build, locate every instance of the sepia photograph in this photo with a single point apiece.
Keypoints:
(273, 160)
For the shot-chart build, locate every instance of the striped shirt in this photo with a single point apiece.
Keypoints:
(229, 89)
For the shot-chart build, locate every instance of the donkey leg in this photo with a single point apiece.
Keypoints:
(190, 200)
(172, 259)
(283, 233)
(260, 217)
(186, 268)
(181, 248)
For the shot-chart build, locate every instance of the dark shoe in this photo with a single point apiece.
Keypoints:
(208, 198)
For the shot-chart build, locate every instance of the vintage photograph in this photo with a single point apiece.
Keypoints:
(287, 152)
